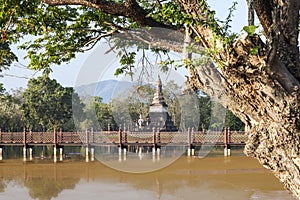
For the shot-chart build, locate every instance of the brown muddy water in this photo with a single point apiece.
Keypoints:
(212, 178)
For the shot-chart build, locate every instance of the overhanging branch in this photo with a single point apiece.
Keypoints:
(130, 9)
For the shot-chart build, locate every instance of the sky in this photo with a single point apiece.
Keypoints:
(95, 65)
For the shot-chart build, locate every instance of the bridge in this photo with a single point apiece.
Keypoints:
(125, 140)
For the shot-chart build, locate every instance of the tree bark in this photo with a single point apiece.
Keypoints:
(264, 105)
(263, 91)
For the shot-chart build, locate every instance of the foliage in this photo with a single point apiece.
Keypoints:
(170, 13)
(56, 33)
(11, 12)
(205, 112)
(233, 122)
(47, 105)
(10, 112)
(104, 119)
(171, 93)
(250, 29)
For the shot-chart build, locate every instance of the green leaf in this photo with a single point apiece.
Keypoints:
(119, 71)
(255, 50)
(250, 29)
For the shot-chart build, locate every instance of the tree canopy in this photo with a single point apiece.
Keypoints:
(47, 105)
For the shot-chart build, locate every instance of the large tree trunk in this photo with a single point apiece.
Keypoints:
(261, 89)
(268, 106)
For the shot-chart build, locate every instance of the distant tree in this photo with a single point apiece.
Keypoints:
(172, 92)
(204, 112)
(104, 115)
(47, 104)
(97, 115)
(206, 120)
(10, 111)
(139, 101)
(233, 122)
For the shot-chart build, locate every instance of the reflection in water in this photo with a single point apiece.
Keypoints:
(188, 178)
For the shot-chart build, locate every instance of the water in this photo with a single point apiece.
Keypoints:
(217, 177)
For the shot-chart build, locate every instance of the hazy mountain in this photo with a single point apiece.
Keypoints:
(105, 89)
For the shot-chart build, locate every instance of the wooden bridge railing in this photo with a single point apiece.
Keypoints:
(189, 137)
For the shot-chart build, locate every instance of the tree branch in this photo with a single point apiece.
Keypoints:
(130, 9)
(96, 39)
(280, 21)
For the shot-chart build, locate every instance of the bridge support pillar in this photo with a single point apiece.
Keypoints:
(120, 150)
(120, 153)
(153, 151)
(189, 151)
(92, 154)
(226, 142)
(24, 153)
(125, 153)
(87, 154)
(54, 154)
(30, 153)
(227, 151)
(1, 152)
(60, 154)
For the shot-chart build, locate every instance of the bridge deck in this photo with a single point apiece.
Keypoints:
(123, 138)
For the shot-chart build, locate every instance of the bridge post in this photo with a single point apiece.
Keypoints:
(87, 145)
(24, 144)
(54, 145)
(158, 142)
(30, 133)
(226, 142)
(120, 141)
(125, 136)
(30, 153)
(158, 137)
(93, 136)
(193, 140)
(125, 143)
(153, 141)
(92, 154)
(60, 135)
(189, 142)
(60, 154)
(1, 152)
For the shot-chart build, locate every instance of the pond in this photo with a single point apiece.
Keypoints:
(213, 177)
